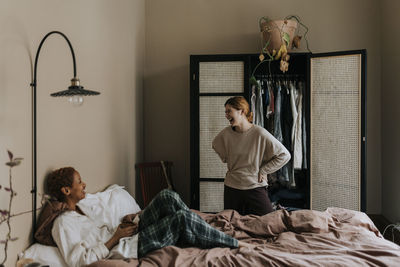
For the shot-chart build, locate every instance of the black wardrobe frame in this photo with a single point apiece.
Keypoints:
(250, 61)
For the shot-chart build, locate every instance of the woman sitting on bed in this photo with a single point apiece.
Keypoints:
(165, 221)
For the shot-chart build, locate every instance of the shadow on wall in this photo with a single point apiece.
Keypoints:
(166, 123)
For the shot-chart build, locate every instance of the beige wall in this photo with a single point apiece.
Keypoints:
(103, 138)
(176, 29)
(390, 110)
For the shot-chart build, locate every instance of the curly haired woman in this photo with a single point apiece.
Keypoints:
(165, 221)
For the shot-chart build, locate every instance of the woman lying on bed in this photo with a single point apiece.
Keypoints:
(165, 221)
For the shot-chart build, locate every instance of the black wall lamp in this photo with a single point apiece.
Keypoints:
(75, 94)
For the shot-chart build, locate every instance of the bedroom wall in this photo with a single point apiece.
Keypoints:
(102, 138)
(390, 110)
(176, 29)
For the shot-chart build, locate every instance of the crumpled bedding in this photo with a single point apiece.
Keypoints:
(335, 237)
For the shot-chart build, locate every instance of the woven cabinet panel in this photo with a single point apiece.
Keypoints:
(212, 121)
(211, 196)
(221, 77)
(335, 169)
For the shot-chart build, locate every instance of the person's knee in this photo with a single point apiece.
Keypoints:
(168, 194)
(182, 215)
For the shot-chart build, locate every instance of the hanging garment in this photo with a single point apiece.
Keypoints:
(269, 114)
(259, 118)
(282, 174)
(296, 105)
(270, 104)
(303, 124)
(293, 97)
(277, 114)
(264, 86)
(286, 123)
(253, 100)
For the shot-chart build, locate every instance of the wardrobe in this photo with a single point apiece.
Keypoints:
(333, 117)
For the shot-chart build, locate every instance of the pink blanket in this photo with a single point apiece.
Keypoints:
(299, 238)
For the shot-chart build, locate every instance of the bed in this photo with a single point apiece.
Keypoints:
(335, 237)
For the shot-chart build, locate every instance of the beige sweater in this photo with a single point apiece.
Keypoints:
(249, 153)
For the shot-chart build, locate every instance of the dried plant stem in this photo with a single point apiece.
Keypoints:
(18, 214)
(8, 219)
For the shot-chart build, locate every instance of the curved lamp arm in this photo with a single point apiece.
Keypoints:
(40, 47)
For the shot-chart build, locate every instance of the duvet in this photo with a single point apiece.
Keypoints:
(335, 237)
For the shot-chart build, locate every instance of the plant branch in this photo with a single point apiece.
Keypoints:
(8, 218)
(7, 213)
(297, 18)
(18, 214)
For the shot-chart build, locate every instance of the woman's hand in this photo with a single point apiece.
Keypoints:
(130, 217)
(123, 230)
(262, 177)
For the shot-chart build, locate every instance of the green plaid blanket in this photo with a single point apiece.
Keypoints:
(167, 221)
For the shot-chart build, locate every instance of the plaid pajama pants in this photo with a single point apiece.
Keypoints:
(167, 221)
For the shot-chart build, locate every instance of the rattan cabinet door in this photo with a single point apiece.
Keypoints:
(337, 131)
(213, 80)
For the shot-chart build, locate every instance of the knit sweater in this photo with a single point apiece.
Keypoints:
(249, 153)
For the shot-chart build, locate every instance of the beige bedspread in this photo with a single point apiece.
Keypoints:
(336, 237)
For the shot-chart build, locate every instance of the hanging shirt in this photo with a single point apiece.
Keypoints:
(253, 101)
(297, 148)
(270, 106)
(259, 115)
(303, 125)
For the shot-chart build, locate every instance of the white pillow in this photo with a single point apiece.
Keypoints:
(46, 255)
(121, 201)
(109, 206)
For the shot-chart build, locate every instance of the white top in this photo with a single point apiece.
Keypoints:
(81, 239)
(249, 153)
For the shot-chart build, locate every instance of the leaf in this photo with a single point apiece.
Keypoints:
(253, 80)
(4, 212)
(10, 155)
(7, 189)
(17, 162)
(286, 38)
(11, 163)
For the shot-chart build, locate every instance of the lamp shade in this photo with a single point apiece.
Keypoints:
(75, 89)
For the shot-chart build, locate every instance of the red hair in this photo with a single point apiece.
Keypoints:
(240, 103)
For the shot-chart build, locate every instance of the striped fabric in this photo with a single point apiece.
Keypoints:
(168, 221)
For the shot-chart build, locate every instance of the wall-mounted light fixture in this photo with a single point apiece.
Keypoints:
(75, 94)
